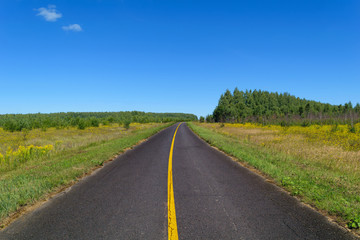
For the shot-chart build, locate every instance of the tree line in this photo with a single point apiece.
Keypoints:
(280, 108)
(18, 122)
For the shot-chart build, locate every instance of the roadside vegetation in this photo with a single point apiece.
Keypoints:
(34, 163)
(320, 164)
(82, 120)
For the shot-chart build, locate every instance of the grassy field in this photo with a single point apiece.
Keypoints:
(319, 164)
(35, 163)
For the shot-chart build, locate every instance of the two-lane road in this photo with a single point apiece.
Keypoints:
(214, 198)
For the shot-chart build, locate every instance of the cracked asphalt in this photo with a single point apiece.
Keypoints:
(215, 198)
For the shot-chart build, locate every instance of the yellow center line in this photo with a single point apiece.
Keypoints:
(172, 226)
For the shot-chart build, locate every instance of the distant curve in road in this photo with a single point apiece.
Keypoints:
(215, 198)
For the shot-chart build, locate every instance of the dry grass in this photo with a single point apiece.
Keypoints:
(17, 148)
(66, 138)
(296, 141)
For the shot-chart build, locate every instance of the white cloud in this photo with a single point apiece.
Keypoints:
(72, 27)
(50, 14)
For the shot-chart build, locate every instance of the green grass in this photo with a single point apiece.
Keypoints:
(33, 180)
(326, 188)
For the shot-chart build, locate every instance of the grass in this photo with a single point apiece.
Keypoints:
(79, 153)
(310, 163)
(18, 147)
(65, 138)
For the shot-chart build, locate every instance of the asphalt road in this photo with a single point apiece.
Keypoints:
(215, 198)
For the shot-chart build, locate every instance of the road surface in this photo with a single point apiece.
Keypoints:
(214, 198)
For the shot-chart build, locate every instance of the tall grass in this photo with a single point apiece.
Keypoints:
(12, 159)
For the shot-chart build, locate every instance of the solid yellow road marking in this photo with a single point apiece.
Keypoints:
(172, 226)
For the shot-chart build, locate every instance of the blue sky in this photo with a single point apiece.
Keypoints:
(173, 55)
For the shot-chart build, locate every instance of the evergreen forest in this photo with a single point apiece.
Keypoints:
(280, 108)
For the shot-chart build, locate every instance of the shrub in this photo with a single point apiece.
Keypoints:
(209, 119)
(81, 124)
(354, 223)
(94, 122)
(10, 125)
(127, 124)
(352, 129)
(305, 123)
(335, 128)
